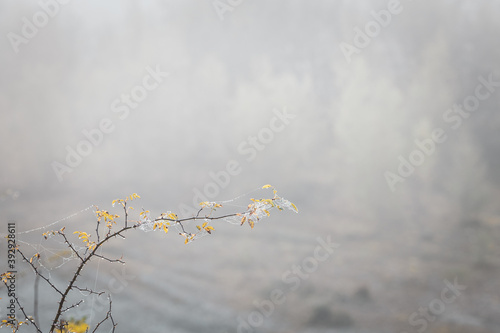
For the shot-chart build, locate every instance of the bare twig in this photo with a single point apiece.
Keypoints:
(108, 316)
(198, 214)
(195, 218)
(97, 230)
(73, 306)
(26, 317)
(110, 260)
(90, 291)
(70, 245)
(126, 213)
(37, 272)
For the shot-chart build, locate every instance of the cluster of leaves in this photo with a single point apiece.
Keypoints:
(73, 326)
(14, 324)
(123, 202)
(259, 207)
(53, 232)
(108, 218)
(254, 212)
(85, 238)
(6, 276)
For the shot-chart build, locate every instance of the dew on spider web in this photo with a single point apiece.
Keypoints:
(285, 204)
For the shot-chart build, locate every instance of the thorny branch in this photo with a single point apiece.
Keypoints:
(108, 316)
(37, 272)
(90, 291)
(28, 319)
(73, 306)
(92, 248)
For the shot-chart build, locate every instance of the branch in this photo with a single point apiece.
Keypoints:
(108, 316)
(69, 244)
(97, 230)
(254, 211)
(90, 291)
(73, 306)
(28, 318)
(195, 218)
(198, 214)
(110, 260)
(38, 273)
(126, 212)
(79, 269)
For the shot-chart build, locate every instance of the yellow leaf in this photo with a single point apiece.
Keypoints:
(295, 207)
(199, 228)
(165, 228)
(204, 224)
(268, 214)
(266, 186)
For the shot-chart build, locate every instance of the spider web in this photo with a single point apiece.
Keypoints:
(55, 253)
(240, 203)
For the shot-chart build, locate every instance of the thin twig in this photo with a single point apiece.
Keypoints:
(108, 316)
(198, 214)
(24, 313)
(90, 291)
(97, 230)
(70, 245)
(126, 213)
(195, 218)
(38, 273)
(73, 306)
(110, 260)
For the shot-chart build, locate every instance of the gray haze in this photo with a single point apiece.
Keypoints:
(227, 80)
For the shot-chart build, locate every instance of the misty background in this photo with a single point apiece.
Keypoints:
(226, 80)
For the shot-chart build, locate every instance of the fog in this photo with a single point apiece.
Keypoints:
(378, 119)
